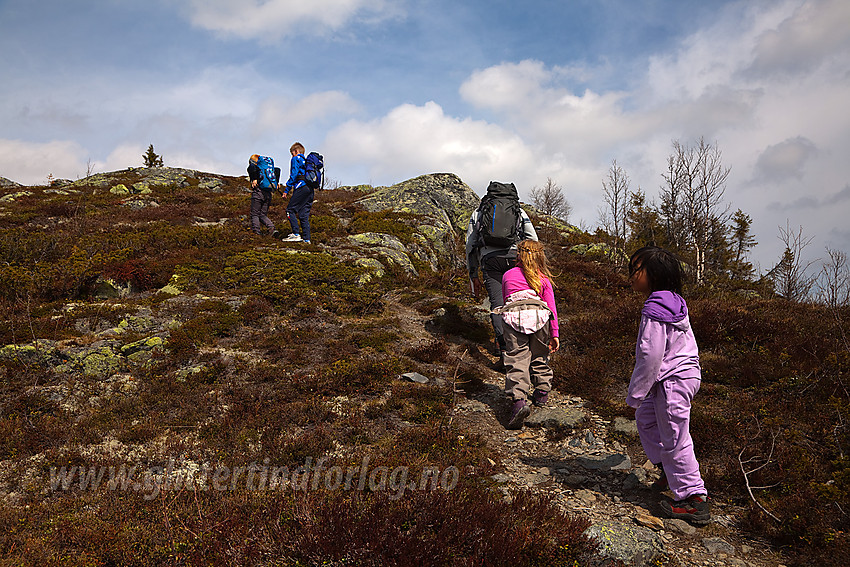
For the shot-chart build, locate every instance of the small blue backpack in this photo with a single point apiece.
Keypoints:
(268, 179)
(314, 170)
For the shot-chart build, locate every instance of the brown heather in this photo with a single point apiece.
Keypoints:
(322, 381)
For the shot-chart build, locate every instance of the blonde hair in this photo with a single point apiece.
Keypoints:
(297, 148)
(532, 261)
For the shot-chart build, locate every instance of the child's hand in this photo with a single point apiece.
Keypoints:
(554, 343)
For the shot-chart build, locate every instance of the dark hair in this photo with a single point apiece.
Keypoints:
(663, 269)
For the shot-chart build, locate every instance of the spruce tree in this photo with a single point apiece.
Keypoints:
(151, 158)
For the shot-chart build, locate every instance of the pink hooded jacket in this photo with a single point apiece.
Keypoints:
(666, 347)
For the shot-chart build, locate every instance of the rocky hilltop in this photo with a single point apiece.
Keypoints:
(147, 327)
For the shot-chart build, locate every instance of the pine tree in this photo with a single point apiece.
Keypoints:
(151, 158)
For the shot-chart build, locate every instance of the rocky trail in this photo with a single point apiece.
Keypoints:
(595, 468)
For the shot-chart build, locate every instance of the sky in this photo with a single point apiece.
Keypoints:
(489, 90)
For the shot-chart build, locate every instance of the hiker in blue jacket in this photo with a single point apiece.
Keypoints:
(261, 197)
(298, 210)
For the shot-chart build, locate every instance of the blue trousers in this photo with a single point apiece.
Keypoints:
(298, 211)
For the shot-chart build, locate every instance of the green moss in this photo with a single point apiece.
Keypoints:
(326, 226)
(384, 222)
(377, 339)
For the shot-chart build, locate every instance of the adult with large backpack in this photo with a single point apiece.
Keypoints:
(305, 176)
(264, 177)
(495, 228)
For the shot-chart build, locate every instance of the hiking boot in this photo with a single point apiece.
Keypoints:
(695, 509)
(519, 412)
(661, 484)
(293, 238)
(539, 398)
(276, 235)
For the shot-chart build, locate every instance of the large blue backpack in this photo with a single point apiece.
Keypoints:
(268, 179)
(314, 170)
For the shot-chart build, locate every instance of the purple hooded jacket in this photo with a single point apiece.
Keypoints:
(666, 346)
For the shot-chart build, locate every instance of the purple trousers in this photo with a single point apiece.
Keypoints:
(663, 422)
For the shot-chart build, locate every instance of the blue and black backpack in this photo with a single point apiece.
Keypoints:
(268, 179)
(499, 216)
(314, 170)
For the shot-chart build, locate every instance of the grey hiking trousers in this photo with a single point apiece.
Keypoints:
(527, 362)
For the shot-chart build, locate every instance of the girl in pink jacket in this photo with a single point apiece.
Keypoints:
(530, 330)
(665, 379)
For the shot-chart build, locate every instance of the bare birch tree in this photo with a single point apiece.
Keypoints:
(614, 214)
(790, 276)
(833, 282)
(550, 200)
(692, 199)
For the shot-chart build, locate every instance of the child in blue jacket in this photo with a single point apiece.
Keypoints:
(301, 202)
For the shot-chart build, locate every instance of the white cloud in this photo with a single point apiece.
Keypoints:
(528, 97)
(412, 140)
(30, 163)
(506, 86)
(280, 112)
(270, 20)
(785, 159)
(816, 33)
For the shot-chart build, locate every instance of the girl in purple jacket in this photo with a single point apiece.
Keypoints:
(530, 330)
(666, 377)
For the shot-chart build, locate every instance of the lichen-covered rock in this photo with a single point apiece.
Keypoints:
(171, 174)
(100, 180)
(97, 361)
(162, 177)
(107, 288)
(443, 202)
(12, 196)
(142, 188)
(212, 185)
(624, 542)
(377, 239)
(140, 351)
(120, 189)
(146, 344)
(544, 221)
(142, 323)
(440, 196)
(376, 269)
(560, 418)
(596, 249)
(8, 184)
(41, 352)
(421, 250)
(139, 203)
(387, 247)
